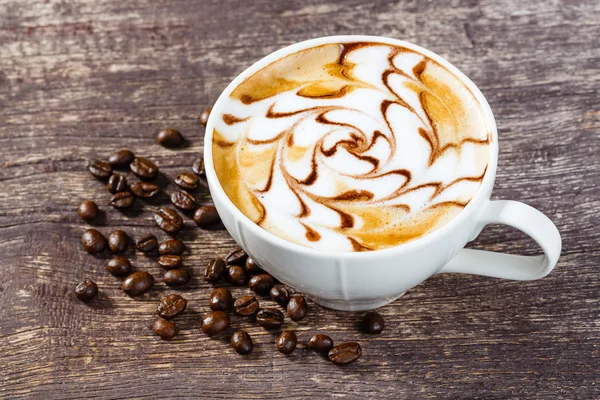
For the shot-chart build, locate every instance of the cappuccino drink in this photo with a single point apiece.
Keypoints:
(351, 146)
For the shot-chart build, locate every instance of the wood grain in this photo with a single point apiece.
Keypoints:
(79, 79)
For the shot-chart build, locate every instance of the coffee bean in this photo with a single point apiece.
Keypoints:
(170, 138)
(168, 220)
(171, 306)
(118, 241)
(320, 343)
(236, 275)
(118, 266)
(144, 168)
(252, 268)
(87, 210)
(206, 217)
(269, 318)
(261, 283)
(286, 342)
(198, 168)
(172, 247)
(220, 299)
(204, 116)
(373, 323)
(215, 271)
(176, 277)
(117, 183)
(297, 307)
(187, 181)
(138, 283)
(183, 200)
(280, 294)
(345, 353)
(100, 169)
(246, 305)
(93, 241)
(241, 342)
(215, 322)
(169, 261)
(122, 200)
(236, 256)
(165, 329)
(86, 291)
(145, 190)
(146, 243)
(121, 158)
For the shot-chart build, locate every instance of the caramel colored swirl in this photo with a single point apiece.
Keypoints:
(351, 147)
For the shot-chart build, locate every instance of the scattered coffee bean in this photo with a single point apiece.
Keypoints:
(165, 329)
(241, 342)
(269, 318)
(176, 277)
(87, 210)
(117, 183)
(236, 275)
(236, 256)
(100, 169)
(187, 181)
(220, 299)
(286, 342)
(168, 220)
(146, 243)
(215, 322)
(93, 242)
(144, 168)
(206, 217)
(86, 291)
(204, 116)
(246, 305)
(198, 168)
(169, 261)
(215, 271)
(170, 138)
(121, 158)
(252, 268)
(183, 200)
(122, 200)
(261, 283)
(145, 190)
(297, 307)
(345, 353)
(138, 283)
(118, 266)
(320, 343)
(171, 306)
(118, 241)
(373, 323)
(280, 294)
(172, 247)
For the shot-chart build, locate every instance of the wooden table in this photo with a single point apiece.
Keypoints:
(79, 79)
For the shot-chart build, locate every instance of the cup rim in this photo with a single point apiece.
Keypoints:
(217, 190)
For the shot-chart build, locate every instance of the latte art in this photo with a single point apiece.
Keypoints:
(351, 147)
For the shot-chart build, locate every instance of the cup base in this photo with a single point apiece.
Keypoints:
(357, 305)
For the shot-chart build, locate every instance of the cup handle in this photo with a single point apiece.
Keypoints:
(507, 266)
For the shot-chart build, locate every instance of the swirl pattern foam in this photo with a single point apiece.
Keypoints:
(351, 147)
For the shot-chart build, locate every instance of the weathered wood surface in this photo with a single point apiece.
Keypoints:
(79, 79)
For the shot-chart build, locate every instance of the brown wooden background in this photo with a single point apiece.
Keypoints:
(79, 79)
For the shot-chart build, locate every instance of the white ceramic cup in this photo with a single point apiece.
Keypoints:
(366, 280)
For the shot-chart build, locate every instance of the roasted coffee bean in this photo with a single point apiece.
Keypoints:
(252, 268)
(206, 217)
(100, 169)
(236, 256)
(146, 243)
(220, 299)
(204, 116)
(236, 275)
(138, 283)
(198, 168)
(122, 200)
(345, 353)
(280, 294)
(144, 168)
(373, 323)
(121, 158)
(93, 242)
(176, 277)
(215, 271)
(261, 283)
(241, 342)
(172, 247)
(118, 241)
(297, 307)
(215, 322)
(145, 190)
(187, 181)
(169, 261)
(183, 200)
(286, 342)
(170, 138)
(171, 306)
(117, 183)
(118, 266)
(246, 305)
(168, 220)
(320, 343)
(269, 318)
(87, 210)
(86, 291)
(165, 329)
